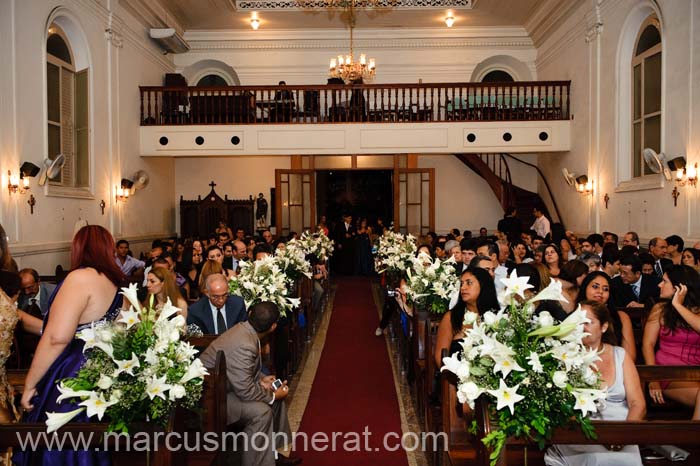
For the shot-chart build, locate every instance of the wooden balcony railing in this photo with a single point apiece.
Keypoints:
(388, 103)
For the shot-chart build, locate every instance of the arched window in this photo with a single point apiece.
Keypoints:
(212, 80)
(67, 110)
(497, 76)
(646, 94)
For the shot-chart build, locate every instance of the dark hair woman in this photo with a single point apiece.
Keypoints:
(596, 287)
(477, 294)
(674, 323)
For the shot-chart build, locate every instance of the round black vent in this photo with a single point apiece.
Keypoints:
(199, 140)
(235, 140)
(163, 141)
(544, 136)
(507, 137)
(471, 137)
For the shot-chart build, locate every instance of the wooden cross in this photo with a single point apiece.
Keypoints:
(212, 184)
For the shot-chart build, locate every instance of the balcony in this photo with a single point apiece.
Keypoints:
(382, 118)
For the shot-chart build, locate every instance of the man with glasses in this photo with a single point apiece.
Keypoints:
(217, 311)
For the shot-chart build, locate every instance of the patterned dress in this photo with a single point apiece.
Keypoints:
(8, 322)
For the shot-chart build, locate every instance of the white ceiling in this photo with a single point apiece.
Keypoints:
(222, 15)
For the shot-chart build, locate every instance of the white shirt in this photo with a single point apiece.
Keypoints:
(215, 316)
(541, 226)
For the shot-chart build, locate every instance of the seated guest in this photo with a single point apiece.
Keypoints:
(251, 399)
(193, 274)
(468, 246)
(518, 252)
(592, 260)
(166, 261)
(597, 287)
(161, 286)
(691, 258)
(631, 238)
(610, 260)
(674, 323)
(625, 398)
(485, 263)
(126, 263)
(609, 238)
(208, 268)
(240, 253)
(567, 250)
(647, 263)
(218, 310)
(632, 288)
(214, 253)
(454, 250)
(34, 295)
(658, 248)
(569, 289)
(674, 248)
(262, 251)
(553, 260)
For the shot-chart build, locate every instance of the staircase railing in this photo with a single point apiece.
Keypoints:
(546, 184)
(498, 164)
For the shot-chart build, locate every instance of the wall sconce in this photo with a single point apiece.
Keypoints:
(254, 22)
(123, 192)
(684, 174)
(21, 184)
(449, 20)
(584, 185)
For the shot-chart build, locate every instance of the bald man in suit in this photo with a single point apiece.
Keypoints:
(251, 400)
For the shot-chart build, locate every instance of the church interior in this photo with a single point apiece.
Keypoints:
(185, 127)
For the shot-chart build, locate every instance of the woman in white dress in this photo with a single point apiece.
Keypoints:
(625, 399)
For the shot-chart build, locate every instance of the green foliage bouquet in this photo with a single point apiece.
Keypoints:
(540, 375)
(137, 368)
(263, 280)
(432, 282)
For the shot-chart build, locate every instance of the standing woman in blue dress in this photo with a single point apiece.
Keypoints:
(88, 295)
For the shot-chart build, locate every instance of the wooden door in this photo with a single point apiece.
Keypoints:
(295, 201)
(414, 188)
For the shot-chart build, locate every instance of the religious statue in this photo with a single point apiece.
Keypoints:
(261, 212)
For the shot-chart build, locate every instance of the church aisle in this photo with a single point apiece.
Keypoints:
(353, 391)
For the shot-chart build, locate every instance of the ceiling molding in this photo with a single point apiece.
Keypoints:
(549, 15)
(324, 39)
(305, 5)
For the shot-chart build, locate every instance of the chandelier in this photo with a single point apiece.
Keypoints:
(345, 67)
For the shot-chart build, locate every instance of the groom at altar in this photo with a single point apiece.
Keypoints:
(253, 404)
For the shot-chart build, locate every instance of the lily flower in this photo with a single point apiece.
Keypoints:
(97, 405)
(130, 294)
(55, 421)
(129, 317)
(67, 392)
(127, 365)
(506, 396)
(156, 387)
(195, 370)
(585, 399)
(516, 285)
(551, 293)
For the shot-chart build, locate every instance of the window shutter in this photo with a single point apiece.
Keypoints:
(82, 149)
(67, 137)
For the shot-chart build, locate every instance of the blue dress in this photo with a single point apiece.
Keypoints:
(67, 364)
(615, 409)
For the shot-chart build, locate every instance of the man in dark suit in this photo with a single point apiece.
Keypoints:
(657, 248)
(344, 236)
(632, 288)
(34, 295)
(217, 311)
(510, 225)
(251, 399)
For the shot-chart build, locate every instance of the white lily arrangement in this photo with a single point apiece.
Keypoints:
(136, 368)
(540, 375)
(432, 282)
(395, 252)
(317, 244)
(263, 280)
(292, 261)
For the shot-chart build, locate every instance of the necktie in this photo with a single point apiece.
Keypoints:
(220, 321)
(635, 288)
(658, 269)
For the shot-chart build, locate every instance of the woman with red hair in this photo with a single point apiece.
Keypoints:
(88, 295)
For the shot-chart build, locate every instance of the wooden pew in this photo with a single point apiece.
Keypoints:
(464, 449)
(213, 419)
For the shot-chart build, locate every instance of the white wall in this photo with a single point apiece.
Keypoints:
(462, 198)
(592, 65)
(118, 65)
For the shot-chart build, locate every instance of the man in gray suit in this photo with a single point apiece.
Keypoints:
(251, 399)
(34, 295)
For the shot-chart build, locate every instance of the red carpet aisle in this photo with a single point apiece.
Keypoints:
(354, 386)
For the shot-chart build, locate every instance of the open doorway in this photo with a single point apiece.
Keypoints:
(361, 193)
